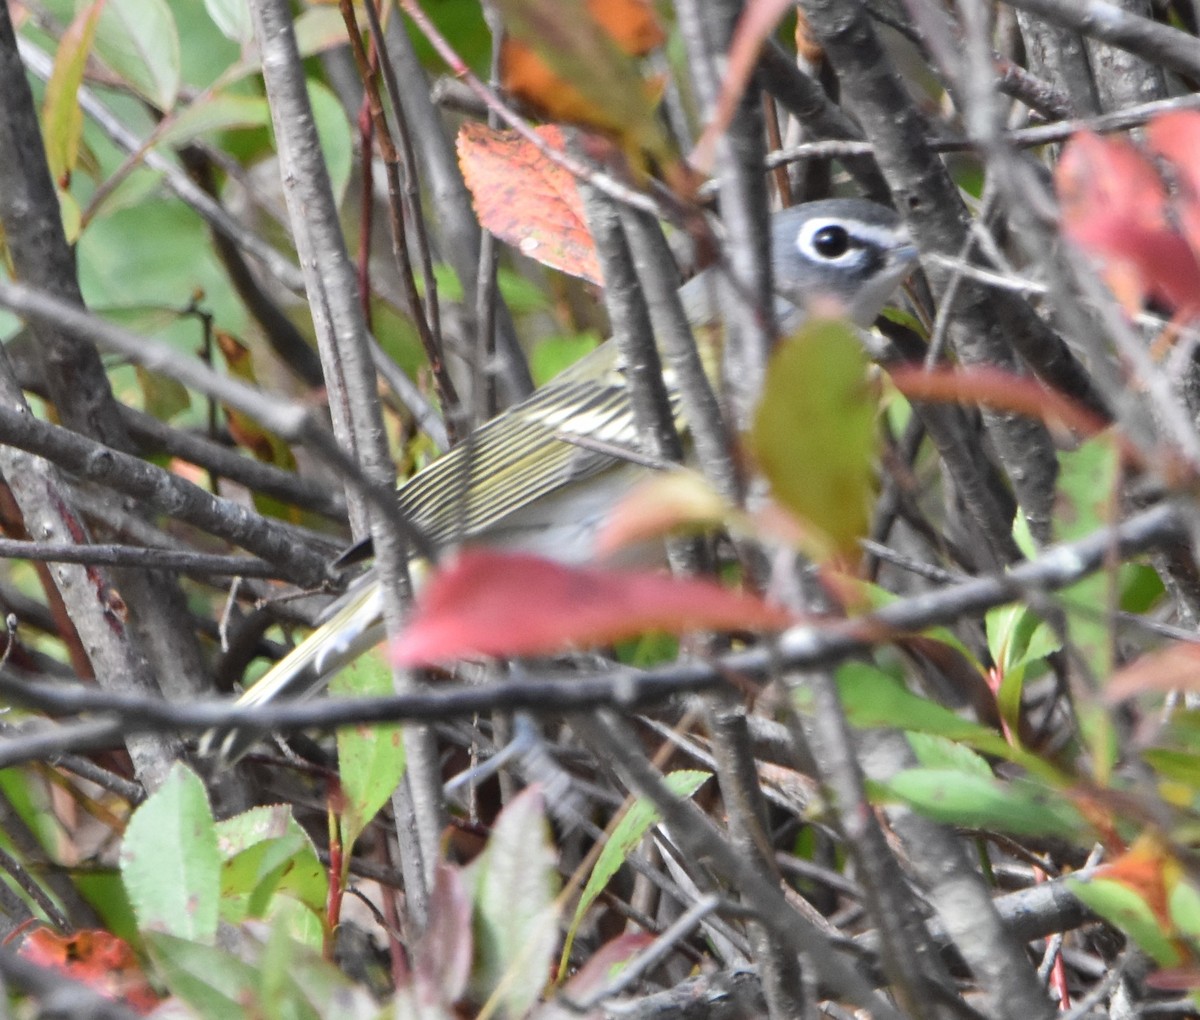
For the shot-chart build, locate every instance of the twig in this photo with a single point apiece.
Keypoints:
(289, 420)
(358, 423)
(1159, 44)
(808, 646)
(135, 556)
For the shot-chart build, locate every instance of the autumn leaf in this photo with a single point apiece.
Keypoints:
(1144, 868)
(1114, 206)
(1176, 138)
(996, 388)
(663, 502)
(574, 61)
(508, 604)
(526, 199)
(102, 962)
(1174, 668)
(265, 446)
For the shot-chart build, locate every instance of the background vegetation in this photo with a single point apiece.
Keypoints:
(964, 781)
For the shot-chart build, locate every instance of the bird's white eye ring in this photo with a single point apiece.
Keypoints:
(827, 241)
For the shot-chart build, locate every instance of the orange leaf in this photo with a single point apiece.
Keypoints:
(1143, 869)
(562, 57)
(526, 200)
(1114, 205)
(658, 505)
(808, 47)
(631, 24)
(508, 604)
(97, 959)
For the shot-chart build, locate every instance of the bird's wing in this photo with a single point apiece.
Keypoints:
(525, 453)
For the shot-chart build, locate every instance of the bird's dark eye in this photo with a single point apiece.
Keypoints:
(831, 242)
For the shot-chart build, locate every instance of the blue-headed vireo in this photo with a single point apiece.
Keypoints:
(519, 482)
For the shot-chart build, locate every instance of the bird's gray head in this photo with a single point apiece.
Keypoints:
(849, 250)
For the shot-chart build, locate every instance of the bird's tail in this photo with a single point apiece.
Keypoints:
(355, 626)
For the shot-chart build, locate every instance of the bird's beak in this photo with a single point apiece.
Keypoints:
(904, 250)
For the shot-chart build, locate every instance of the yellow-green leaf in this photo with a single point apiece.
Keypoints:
(62, 119)
(814, 432)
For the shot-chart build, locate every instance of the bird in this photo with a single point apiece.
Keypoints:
(518, 482)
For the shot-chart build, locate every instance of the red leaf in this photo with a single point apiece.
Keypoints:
(1173, 668)
(97, 959)
(526, 200)
(606, 961)
(1114, 205)
(507, 604)
(999, 389)
(1176, 137)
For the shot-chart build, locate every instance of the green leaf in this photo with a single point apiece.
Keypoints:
(298, 982)
(139, 41)
(1088, 477)
(105, 891)
(1017, 635)
(814, 431)
(972, 801)
(520, 293)
(874, 699)
(1118, 904)
(266, 852)
(1183, 904)
(1017, 638)
(516, 920)
(169, 860)
(1102, 737)
(72, 216)
(371, 757)
(62, 119)
(1141, 589)
(232, 17)
(1183, 766)
(213, 982)
(276, 979)
(317, 29)
(555, 353)
(624, 840)
(935, 752)
(1023, 536)
(162, 396)
(462, 24)
(212, 113)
